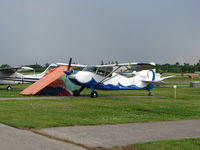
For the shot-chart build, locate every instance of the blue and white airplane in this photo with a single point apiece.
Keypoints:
(121, 76)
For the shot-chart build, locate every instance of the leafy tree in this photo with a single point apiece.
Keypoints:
(4, 66)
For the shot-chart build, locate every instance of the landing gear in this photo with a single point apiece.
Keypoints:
(149, 93)
(77, 92)
(9, 88)
(94, 94)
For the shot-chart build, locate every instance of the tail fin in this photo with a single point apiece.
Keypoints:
(157, 78)
(148, 76)
(51, 66)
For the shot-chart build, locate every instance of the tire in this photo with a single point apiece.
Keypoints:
(9, 88)
(94, 94)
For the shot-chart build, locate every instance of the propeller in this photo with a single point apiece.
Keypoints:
(69, 65)
(68, 72)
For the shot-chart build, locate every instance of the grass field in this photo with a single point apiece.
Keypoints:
(14, 92)
(184, 144)
(103, 110)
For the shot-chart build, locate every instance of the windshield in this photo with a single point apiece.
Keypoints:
(102, 71)
(90, 69)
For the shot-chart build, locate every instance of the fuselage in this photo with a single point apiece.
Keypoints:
(17, 78)
(8, 77)
(113, 81)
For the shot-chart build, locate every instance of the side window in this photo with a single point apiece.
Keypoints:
(108, 73)
(104, 71)
(100, 72)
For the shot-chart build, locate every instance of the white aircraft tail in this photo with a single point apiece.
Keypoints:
(154, 77)
(40, 75)
(51, 66)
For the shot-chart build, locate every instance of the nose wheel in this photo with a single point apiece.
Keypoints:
(77, 92)
(94, 94)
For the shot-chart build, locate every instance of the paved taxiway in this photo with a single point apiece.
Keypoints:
(85, 137)
(16, 139)
(124, 134)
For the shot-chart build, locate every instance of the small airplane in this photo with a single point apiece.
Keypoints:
(9, 76)
(123, 76)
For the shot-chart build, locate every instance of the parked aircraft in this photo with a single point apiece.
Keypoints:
(9, 76)
(123, 76)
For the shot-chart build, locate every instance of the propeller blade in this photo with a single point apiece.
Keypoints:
(69, 65)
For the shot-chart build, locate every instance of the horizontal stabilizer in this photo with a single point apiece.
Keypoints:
(157, 80)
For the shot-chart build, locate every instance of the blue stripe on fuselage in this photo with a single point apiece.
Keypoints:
(101, 86)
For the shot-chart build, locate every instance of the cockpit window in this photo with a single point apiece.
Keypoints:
(51, 67)
(92, 69)
(102, 71)
(105, 71)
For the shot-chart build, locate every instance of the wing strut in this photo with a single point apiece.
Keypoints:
(106, 77)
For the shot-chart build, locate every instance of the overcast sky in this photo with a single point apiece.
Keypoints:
(162, 31)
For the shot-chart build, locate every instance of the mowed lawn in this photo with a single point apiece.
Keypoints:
(103, 110)
(183, 144)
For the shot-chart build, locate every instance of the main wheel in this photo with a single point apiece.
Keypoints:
(76, 93)
(9, 87)
(94, 94)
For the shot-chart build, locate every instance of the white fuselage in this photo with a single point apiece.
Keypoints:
(17, 78)
(8, 77)
(114, 82)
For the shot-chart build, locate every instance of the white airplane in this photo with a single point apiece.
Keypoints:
(114, 77)
(9, 76)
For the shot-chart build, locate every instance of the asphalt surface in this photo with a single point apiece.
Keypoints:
(100, 136)
(124, 134)
(15, 139)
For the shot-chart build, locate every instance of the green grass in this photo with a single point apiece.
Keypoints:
(103, 110)
(14, 92)
(183, 144)
(180, 78)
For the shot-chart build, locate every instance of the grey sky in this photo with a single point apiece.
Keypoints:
(162, 31)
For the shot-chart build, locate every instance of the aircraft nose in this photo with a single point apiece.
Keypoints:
(68, 72)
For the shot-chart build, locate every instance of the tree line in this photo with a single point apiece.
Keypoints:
(165, 68)
(178, 68)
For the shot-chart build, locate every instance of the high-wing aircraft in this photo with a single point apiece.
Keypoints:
(123, 76)
(9, 76)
